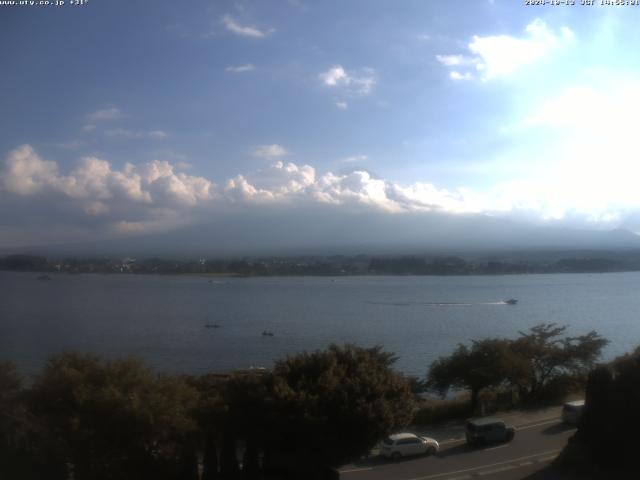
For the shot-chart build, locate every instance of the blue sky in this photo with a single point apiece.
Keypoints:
(127, 117)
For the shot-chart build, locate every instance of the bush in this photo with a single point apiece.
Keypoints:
(435, 410)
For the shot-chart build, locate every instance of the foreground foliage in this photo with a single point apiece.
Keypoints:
(99, 419)
(608, 432)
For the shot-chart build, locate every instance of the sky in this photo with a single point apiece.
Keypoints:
(124, 118)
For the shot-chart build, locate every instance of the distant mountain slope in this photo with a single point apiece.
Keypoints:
(325, 233)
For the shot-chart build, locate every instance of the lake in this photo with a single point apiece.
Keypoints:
(162, 318)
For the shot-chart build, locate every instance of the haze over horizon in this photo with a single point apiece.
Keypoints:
(294, 123)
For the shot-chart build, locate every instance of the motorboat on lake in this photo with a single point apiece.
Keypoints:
(511, 301)
(267, 333)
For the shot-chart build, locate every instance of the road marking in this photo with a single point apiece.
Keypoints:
(353, 470)
(496, 470)
(513, 460)
(545, 459)
(495, 448)
(555, 420)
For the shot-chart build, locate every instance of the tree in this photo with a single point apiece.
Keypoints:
(249, 408)
(544, 356)
(15, 426)
(611, 412)
(209, 414)
(528, 363)
(115, 420)
(333, 406)
(487, 363)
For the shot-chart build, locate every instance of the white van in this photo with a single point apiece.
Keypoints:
(572, 411)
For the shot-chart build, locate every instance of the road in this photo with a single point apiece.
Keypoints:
(533, 447)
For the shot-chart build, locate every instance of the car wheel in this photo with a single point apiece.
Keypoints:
(510, 436)
(396, 456)
(431, 450)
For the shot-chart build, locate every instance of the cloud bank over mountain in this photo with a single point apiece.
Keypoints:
(40, 204)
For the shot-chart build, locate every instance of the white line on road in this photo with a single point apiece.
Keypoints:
(496, 448)
(353, 470)
(545, 459)
(513, 460)
(497, 470)
(555, 420)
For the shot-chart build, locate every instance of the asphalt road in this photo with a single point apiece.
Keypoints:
(533, 447)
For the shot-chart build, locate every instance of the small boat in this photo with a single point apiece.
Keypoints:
(211, 325)
(267, 333)
(511, 301)
(44, 277)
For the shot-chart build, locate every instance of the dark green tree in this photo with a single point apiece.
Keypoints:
(17, 431)
(487, 363)
(606, 440)
(333, 406)
(249, 411)
(544, 355)
(209, 414)
(115, 420)
(528, 363)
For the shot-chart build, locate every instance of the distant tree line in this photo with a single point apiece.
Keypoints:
(331, 265)
(90, 418)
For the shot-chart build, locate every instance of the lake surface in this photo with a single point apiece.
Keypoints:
(162, 318)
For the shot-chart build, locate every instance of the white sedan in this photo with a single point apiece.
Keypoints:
(407, 444)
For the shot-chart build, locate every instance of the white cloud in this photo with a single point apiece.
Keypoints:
(126, 133)
(242, 30)
(359, 82)
(111, 113)
(157, 134)
(495, 56)
(334, 76)
(281, 182)
(89, 127)
(590, 180)
(455, 75)
(25, 173)
(270, 151)
(456, 60)
(247, 67)
(342, 105)
(101, 190)
(294, 184)
(355, 159)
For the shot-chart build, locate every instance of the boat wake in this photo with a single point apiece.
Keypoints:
(436, 304)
